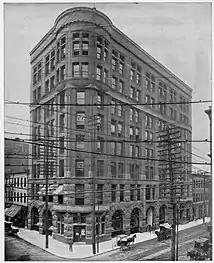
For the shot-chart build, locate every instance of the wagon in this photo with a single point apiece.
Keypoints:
(124, 241)
(201, 251)
(164, 233)
(9, 229)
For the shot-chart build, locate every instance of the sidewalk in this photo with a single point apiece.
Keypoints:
(85, 251)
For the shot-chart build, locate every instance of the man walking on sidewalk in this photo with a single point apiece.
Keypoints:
(71, 246)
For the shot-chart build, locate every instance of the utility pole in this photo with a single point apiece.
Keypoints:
(204, 202)
(46, 178)
(177, 223)
(167, 156)
(93, 135)
(172, 197)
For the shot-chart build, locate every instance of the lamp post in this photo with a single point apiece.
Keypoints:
(209, 113)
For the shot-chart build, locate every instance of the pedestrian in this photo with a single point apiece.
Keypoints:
(150, 229)
(71, 246)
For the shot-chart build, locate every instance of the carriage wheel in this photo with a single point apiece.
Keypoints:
(122, 247)
(114, 245)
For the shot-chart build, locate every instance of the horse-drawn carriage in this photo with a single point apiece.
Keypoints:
(124, 241)
(9, 229)
(201, 251)
(164, 233)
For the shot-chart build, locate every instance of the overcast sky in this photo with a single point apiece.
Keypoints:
(177, 34)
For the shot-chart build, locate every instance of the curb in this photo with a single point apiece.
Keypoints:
(88, 257)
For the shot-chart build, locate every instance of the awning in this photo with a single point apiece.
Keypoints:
(42, 191)
(13, 210)
(58, 191)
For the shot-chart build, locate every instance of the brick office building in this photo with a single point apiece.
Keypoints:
(200, 192)
(85, 59)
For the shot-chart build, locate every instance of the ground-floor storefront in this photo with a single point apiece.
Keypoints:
(17, 214)
(110, 221)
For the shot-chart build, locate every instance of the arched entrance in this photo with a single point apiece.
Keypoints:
(162, 214)
(117, 223)
(182, 208)
(135, 221)
(49, 221)
(150, 215)
(34, 219)
(188, 214)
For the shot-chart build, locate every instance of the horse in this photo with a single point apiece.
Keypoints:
(131, 239)
(191, 254)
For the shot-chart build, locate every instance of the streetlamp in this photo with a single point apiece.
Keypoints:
(209, 113)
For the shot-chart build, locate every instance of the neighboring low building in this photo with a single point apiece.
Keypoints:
(16, 181)
(200, 190)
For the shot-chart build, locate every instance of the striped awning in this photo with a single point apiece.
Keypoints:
(42, 191)
(58, 191)
(13, 210)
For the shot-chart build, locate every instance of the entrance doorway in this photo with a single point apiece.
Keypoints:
(79, 233)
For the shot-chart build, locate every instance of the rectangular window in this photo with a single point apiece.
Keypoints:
(114, 63)
(99, 101)
(137, 95)
(85, 70)
(52, 82)
(52, 60)
(138, 192)
(100, 168)
(132, 192)
(121, 192)
(113, 107)
(121, 68)
(61, 168)
(62, 73)
(100, 193)
(61, 144)
(79, 194)
(61, 122)
(132, 74)
(106, 76)
(62, 100)
(136, 116)
(99, 51)
(113, 169)
(119, 129)
(131, 133)
(131, 114)
(47, 86)
(112, 147)
(80, 168)
(131, 150)
(113, 82)
(121, 86)
(131, 92)
(85, 48)
(76, 69)
(60, 199)
(137, 134)
(99, 72)
(76, 48)
(119, 110)
(47, 65)
(119, 148)
(80, 120)
(113, 192)
(137, 151)
(113, 127)
(120, 170)
(100, 145)
(80, 97)
(80, 144)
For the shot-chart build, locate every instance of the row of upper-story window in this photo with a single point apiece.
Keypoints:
(80, 47)
(20, 182)
(200, 184)
(199, 197)
(16, 197)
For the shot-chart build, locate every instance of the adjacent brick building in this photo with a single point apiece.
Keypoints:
(84, 59)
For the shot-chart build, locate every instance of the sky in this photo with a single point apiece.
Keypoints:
(178, 35)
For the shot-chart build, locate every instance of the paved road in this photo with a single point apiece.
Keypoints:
(17, 249)
(154, 250)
